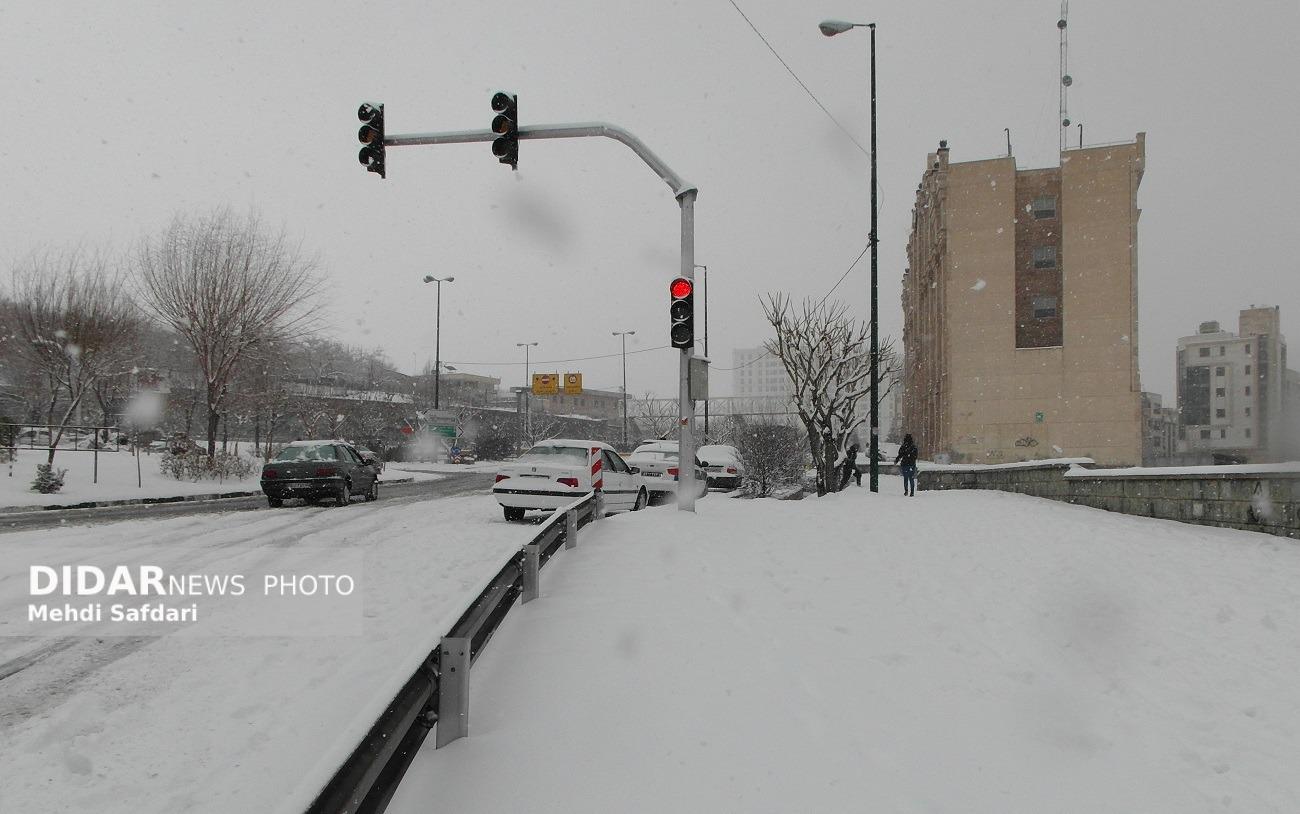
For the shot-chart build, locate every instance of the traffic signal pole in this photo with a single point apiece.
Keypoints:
(685, 194)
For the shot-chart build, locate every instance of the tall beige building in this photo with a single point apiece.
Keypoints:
(1020, 308)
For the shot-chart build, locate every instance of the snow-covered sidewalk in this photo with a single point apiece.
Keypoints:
(117, 480)
(958, 652)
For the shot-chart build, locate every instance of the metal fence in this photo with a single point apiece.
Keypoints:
(436, 697)
(72, 438)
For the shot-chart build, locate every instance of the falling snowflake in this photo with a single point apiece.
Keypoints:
(979, 285)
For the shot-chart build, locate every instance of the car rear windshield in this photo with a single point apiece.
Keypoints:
(556, 454)
(655, 455)
(321, 452)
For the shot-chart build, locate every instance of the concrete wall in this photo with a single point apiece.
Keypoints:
(1267, 502)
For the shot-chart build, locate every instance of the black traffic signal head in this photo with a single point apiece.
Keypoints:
(506, 125)
(681, 309)
(371, 135)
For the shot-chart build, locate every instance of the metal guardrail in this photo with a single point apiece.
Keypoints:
(435, 695)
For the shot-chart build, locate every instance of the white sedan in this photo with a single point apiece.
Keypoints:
(557, 472)
(659, 466)
(722, 465)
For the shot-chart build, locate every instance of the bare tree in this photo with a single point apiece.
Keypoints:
(227, 286)
(73, 323)
(774, 454)
(825, 354)
(655, 417)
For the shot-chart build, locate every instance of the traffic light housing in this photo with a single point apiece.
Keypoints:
(506, 125)
(371, 135)
(681, 309)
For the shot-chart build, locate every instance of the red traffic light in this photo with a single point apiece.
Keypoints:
(681, 288)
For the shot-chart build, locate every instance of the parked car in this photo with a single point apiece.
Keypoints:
(722, 465)
(372, 458)
(659, 465)
(313, 470)
(557, 472)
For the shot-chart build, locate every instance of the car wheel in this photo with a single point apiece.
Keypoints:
(513, 514)
(344, 494)
(640, 501)
(274, 502)
(373, 494)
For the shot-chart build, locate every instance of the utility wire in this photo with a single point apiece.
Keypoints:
(560, 361)
(806, 89)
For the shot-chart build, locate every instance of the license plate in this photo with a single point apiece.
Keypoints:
(651, 474)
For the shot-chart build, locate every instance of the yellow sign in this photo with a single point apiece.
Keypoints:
(546, 384)
(572, 384)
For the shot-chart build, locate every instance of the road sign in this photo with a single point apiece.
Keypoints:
(446, 432)
(455, 450)
(1038, 417)
(573, 384)
(546, 384)
(698, 383)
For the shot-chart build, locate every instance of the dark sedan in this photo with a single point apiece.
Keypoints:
(316, 470)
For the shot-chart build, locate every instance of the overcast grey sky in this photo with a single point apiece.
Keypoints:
(122, 113)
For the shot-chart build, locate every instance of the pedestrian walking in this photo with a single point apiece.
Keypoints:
(851, 467)
(906, 460)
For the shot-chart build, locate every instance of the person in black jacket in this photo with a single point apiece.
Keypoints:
(906, 460)
(851, 467)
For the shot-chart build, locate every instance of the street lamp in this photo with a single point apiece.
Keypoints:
(705, 296)
(437, 336)
(528, 386)
(830, 28)
(624, 335)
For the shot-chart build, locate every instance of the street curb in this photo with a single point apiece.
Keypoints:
(148, 501)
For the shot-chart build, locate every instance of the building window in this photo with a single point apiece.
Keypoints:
(1247, 348)
(1220, 413)
(1248, 432)
(1044, 307)
(1223, 433)
(1218, 371)
(1205, 434)
(1223, 351)
(1220, 391)
(1247, 412)
(1247, 370)
(1044, 257)
(1044, 207)
(1205, 351)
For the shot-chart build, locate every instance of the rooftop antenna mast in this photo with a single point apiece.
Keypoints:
(1066, 81)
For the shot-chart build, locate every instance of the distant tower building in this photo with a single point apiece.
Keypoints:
(1020, 308)
(1232, 391)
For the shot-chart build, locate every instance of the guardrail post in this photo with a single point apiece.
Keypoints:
(453, 690)
(532, 572)
(571, 528)
(600, 507)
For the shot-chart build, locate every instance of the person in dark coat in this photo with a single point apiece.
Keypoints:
(906, 460)
(851, 467)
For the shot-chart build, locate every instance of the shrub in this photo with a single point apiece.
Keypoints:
(196, 466)
(48, 479)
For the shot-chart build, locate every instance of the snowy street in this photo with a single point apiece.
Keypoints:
(956, 652)
(243, 722)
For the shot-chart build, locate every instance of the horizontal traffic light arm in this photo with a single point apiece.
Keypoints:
(581, 130)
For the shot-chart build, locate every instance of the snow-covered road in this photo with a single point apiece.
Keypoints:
(234, 720)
